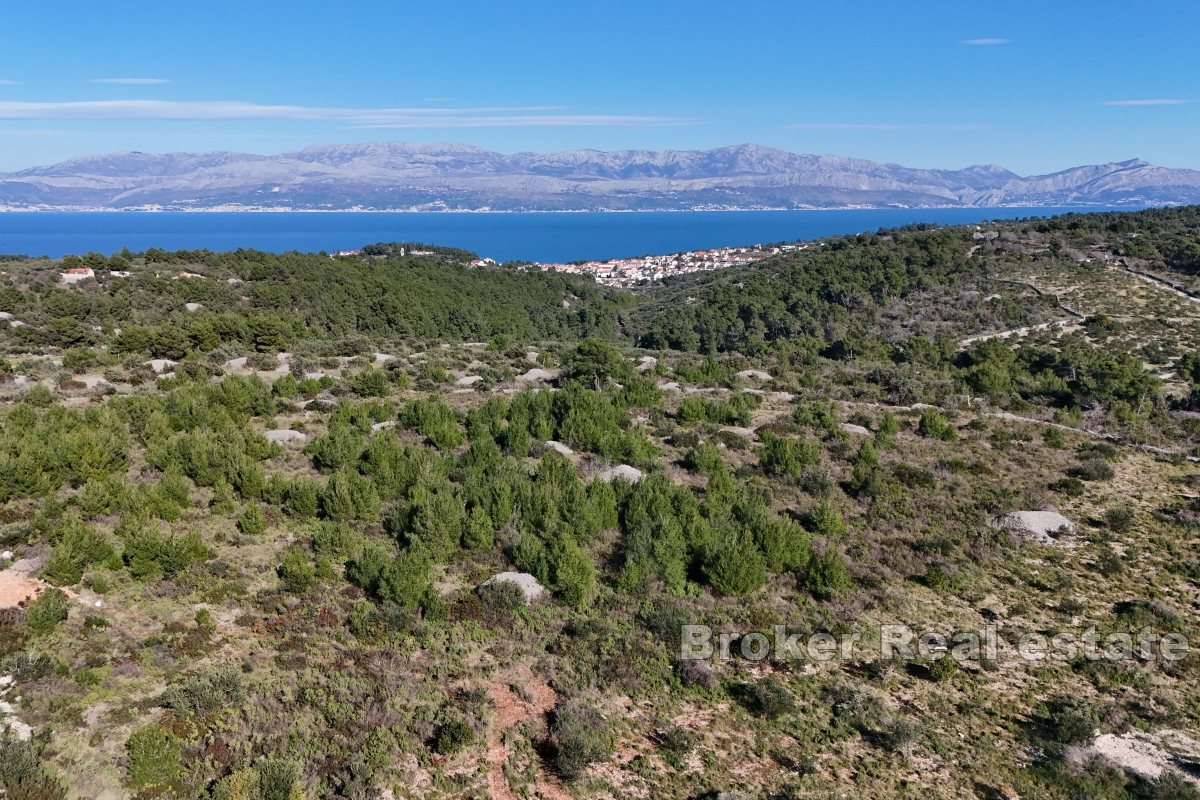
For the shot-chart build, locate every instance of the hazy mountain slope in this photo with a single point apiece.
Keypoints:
(399, 175)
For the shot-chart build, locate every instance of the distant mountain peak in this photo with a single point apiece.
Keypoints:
(401, 175)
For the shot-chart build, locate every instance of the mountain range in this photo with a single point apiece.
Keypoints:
(450, 176)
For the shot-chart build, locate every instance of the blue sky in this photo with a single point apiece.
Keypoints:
(1033, 86)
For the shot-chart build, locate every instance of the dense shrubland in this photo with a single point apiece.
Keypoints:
(232, 617)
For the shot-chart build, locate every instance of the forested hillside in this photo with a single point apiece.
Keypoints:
(269, 302)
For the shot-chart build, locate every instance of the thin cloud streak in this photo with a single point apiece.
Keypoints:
(555, 120)
(1150, 101)
(8, 83)
(211, 110)
(987, 42)
(132, 81)
(883, 126)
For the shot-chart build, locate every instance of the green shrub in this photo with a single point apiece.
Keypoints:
(1092, 469)
(150, 553)
(340, 447)
(734, 411)
(77, 547)
(934, 425)
(503, 601)
(279, 779)
(787, 456)
(39, 396)
(434, 518)
(433, 373)
(1053, 437)
(1171, 785)
(784, 544)
(596, 363)
(297, 573)
(204, 695)
(452, 737)
(155, 760)
(252, 522)
(434, 420)
(942, 669)
(913, 477)
(22, 776)
(107, 495)
(888, 425)
(46, 611)
(767, 698)
(370, 382)
(735, 566)
(827, 576)
(37, 787)
(704, 457)
(1119, 518)
(349, 495)
(302, 498)
(572, 572)
(580, 736)
(901, 735)
(402, 579)
(479, 533)
(676, 744)
(864, 473)
(1072, 721)
(334, 540)
(939, 580)
(825, 519)
(1071, 487)
(28, 665)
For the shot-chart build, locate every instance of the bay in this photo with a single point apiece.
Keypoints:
(544, 237)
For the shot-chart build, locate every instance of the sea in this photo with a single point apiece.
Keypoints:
(546, 237)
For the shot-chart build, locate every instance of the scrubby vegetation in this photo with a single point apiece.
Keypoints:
(250, 539)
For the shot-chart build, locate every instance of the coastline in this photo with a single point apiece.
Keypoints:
(698, 209)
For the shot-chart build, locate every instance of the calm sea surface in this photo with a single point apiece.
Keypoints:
(550, 237)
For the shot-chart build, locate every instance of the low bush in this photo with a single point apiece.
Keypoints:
(45, 613)
(154, 758)
(580, 736)
(767, 698)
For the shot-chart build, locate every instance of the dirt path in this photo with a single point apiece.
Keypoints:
(1010, 417)
(1042, 326)
(512, 710)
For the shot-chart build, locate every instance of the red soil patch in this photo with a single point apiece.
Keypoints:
(16, 588)
(512, 710)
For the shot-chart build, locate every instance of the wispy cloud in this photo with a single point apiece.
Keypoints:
(210, 110)
(132, 81)
(7, 83)
(987, 42)
(884, 126)
(1149, 101)
(530, 121)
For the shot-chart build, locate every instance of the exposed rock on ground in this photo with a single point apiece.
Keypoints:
(284, 435)
(536, 374)
(631, 474)
(1149, 754)
(1042, 526)
(529, 584)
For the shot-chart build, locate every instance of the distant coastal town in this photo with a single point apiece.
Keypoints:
(628, 272)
